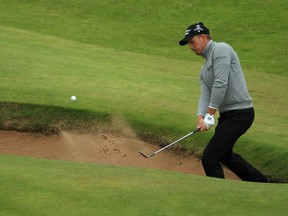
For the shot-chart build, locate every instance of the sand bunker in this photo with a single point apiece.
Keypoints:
(101, 148)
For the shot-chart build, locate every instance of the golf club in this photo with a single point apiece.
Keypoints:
(176, 141)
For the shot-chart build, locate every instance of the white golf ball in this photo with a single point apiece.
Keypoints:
(73, 98)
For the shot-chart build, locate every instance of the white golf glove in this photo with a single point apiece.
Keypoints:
(209, 121)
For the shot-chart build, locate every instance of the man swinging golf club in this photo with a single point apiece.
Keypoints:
(223, 88)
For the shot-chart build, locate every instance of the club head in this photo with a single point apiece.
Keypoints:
(146, 156)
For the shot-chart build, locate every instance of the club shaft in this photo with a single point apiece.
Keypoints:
(176, 141)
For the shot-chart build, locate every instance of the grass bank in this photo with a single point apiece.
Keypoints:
(49, 120)
(43, 187)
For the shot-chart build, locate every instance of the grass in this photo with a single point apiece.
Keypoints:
(155, 27)
(125, 61)
(65, 188)
(30, 118)
(126, 87)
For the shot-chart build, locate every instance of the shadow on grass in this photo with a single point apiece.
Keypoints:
(49, 120)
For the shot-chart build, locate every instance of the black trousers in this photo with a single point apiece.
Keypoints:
(231, 125)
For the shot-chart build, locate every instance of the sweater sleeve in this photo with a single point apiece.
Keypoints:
(204, 98)
(221, 68)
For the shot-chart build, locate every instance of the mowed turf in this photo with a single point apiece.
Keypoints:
(255, 29)
(42, 187)
(51, 50)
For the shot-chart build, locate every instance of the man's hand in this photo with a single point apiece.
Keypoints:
(209, 121)
(204, 123)
(200, 124)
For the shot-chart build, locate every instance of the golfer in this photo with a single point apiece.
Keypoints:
(223, 88)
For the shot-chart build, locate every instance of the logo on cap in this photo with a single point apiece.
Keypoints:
(198, 28)
(187, 31)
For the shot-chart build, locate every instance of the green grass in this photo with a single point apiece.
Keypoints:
(103, 79)
(50, 120)
(255, 28)
(65, 188)
(121, 58)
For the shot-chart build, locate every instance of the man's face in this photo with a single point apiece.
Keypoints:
(197, 44)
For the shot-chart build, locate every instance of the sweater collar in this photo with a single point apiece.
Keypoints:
(208, 49)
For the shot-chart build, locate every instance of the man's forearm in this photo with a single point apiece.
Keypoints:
(211, 111)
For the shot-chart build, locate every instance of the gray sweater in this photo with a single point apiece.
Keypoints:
(223, 84)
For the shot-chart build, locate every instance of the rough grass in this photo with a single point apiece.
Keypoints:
(49, 120)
